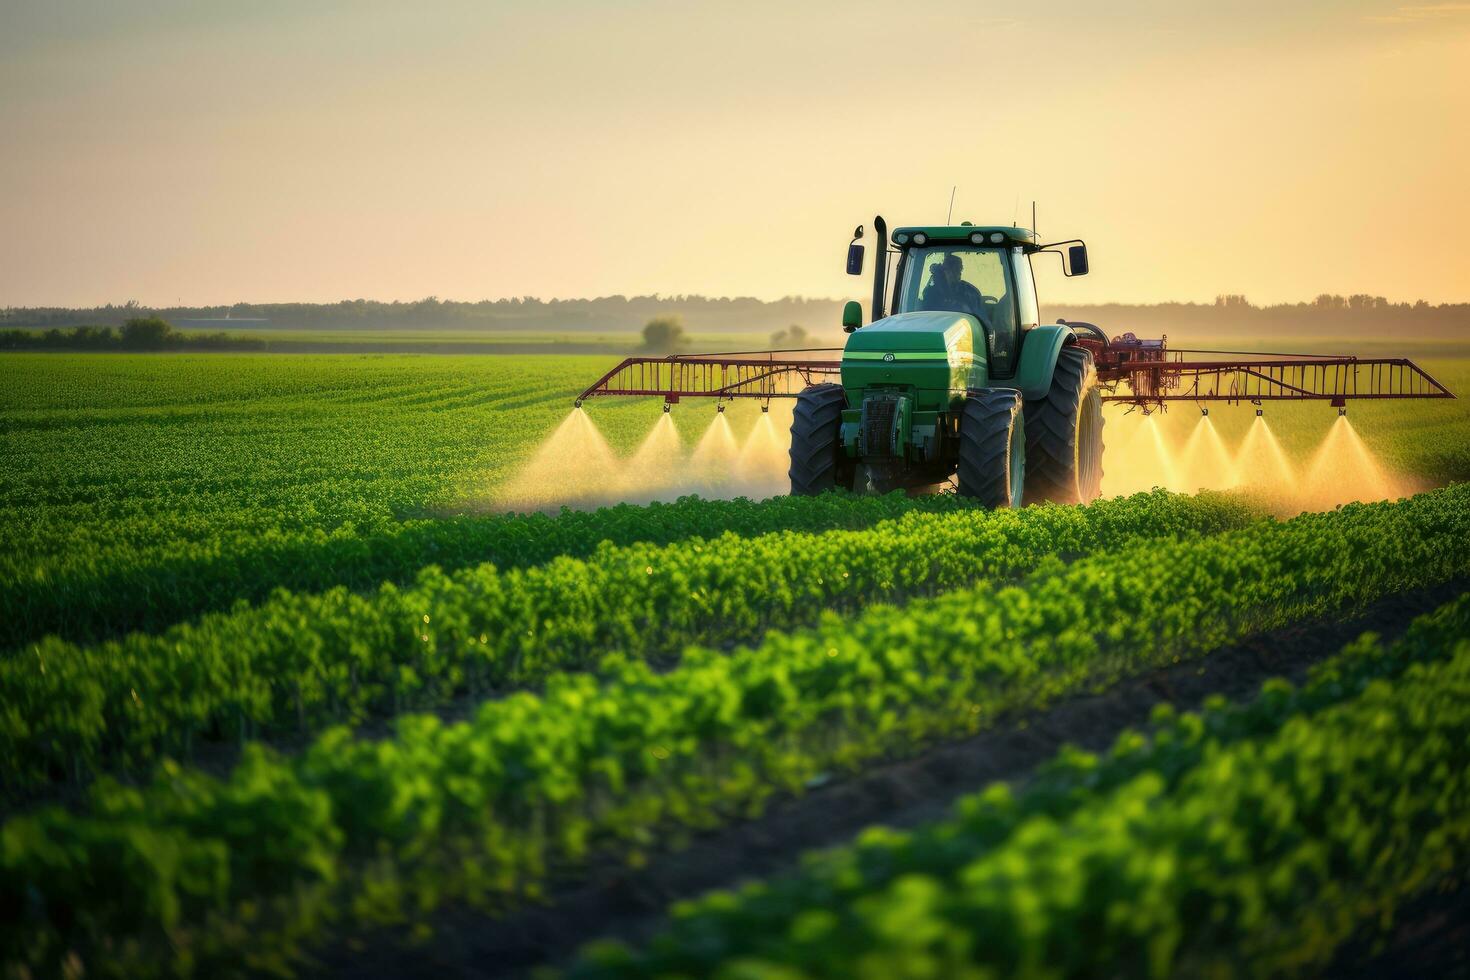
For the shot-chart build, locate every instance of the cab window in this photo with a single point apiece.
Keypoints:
(1029, 314)
(971, 280)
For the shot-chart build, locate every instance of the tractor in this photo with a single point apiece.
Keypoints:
(959, 382)
(955, 383)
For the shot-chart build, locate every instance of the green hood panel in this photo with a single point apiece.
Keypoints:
(935, 332)
(934, 355)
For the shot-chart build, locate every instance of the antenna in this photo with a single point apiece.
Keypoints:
(1033, 221)
(948, 218)
(1015, 209)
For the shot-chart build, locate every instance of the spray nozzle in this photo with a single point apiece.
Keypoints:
(668, 407)
(765, 409)
(577, 403)
(1260, 412)
(720, 408)
(1342, 411)
(1204, 413)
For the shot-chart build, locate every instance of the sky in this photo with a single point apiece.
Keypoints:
(211, 151)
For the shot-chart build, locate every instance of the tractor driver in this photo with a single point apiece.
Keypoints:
(948, 291)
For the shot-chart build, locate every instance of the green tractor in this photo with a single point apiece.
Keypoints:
(960, 382)
(962, 387)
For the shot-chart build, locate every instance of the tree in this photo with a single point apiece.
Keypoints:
(147, 333)
(664, 335)
(793, 337)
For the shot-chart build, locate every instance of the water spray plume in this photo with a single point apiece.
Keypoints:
(1345, 470)
(1117, 473)
(711, 466)
(573, 462)
(717, 445)
(1261, 461)
(660, 447)
(1204, 464)
(1218, 457)
(1164, 454)
(648, 474)
(761, 467)
(576, 466)
(1136, 458)
(760, 445)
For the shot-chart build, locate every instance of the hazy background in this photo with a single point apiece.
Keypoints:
(203, 152)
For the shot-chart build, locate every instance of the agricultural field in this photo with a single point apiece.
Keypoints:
(397, 664)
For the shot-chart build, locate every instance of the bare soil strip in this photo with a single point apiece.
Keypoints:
(1431, 939)
(613, 900)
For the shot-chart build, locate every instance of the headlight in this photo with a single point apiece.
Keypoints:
(902, 239)
(997, 237)
(978, 238)
(920, 238)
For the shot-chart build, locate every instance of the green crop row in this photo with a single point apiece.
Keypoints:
(355, 831)
(127, 590)
(301, 661)
(1247, 840)
(125, 478)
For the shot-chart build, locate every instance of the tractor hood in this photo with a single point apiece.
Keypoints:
(933, 354)
(933, 332)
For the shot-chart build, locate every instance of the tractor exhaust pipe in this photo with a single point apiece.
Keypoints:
(880, 266)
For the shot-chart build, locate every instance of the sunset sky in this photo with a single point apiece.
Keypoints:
(209, 152)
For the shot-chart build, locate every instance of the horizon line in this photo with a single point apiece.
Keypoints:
(1239, 301)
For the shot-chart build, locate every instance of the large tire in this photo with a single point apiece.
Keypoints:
(1064, 444)
(992, 464)
(817, 460)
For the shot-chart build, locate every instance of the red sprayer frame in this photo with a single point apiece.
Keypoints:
(737, 374)
(1148, 373)
(1152, 374)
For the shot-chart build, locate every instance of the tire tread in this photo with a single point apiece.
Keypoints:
(816, 428)
(1052, 431)
(984, 469)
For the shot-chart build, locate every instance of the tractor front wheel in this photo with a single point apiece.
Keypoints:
(1064, 434)
(992, 464)
(817, 460)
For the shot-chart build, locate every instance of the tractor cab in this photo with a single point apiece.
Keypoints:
(982, 273)
(948, 280)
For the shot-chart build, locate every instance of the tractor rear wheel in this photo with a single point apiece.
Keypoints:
(992, 464)
(1064, 444)
(817, 460)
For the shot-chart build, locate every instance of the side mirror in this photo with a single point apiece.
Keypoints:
(854, 259)
(1077, 260)
(1074, 259)
(852, 315)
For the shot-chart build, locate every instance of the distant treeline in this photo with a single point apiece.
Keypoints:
(607, 314)
(1358, 317)
(149, 333)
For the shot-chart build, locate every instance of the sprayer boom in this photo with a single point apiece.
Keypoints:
(740, 374)
(1140, 372)
(1147, 374)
